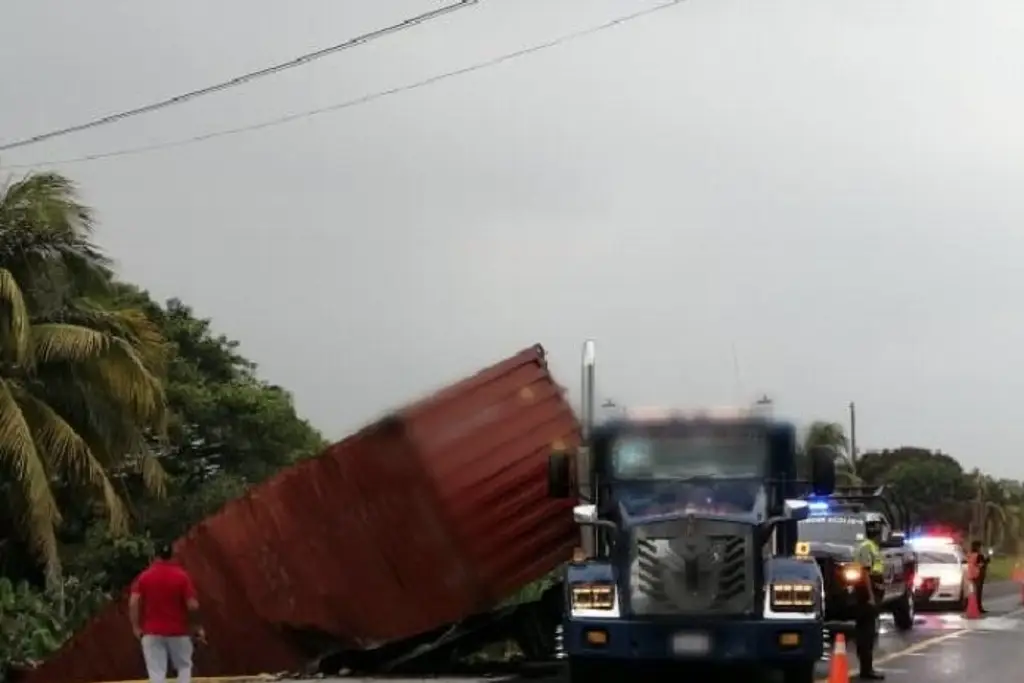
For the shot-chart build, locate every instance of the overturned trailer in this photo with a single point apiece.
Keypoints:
(381, 550)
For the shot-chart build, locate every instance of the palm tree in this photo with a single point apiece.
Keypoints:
(80, 393)
(832, 435)
(1015, 528)
(992, 522)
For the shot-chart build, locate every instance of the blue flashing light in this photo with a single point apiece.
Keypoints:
(818, 506)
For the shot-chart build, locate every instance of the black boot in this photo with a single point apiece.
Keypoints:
(871, 676)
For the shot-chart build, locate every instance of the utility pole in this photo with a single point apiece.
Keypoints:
(853, 432)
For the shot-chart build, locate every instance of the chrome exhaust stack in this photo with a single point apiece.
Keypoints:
(587, 392)
(584, 473)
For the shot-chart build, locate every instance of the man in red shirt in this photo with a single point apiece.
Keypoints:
(163, 609)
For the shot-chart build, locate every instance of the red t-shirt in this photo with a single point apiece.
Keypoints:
(164, 590)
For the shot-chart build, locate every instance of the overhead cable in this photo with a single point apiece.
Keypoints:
(355, 102)
(301, 60)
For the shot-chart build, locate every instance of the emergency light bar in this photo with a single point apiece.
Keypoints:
(818, 506)
(931, 541)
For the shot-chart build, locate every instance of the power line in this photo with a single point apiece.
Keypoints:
(243, 79)
(365, 99)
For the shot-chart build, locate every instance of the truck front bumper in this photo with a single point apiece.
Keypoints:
(740, 641)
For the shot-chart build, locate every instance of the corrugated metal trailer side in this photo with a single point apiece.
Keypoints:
(485, 444)
(419, 520)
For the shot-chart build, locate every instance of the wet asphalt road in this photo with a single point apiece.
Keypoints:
(942, 648)
(946, 648)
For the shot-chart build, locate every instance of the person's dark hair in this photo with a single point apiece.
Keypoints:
(976, 546)
(164, 551)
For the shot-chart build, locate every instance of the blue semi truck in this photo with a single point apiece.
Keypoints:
(688, 543)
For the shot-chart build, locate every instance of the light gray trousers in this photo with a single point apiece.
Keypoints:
(157, 650)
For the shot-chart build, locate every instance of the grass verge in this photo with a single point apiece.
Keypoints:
(1000, 568)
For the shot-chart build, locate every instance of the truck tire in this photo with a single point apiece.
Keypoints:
(798, 672)
(586, 670)
(903, 612)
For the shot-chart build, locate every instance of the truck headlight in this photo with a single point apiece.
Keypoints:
(792, 597)
(593, 596)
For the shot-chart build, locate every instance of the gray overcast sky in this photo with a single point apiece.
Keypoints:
(834, 187)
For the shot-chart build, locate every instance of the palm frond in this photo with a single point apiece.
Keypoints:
(111, 360)
(14, 320)
(133, 385)
(113, 434)
(131, 324)
(70, 455)
(63, 343)
(49, 199)
(19, 455)
(46, 240)
(154, 477)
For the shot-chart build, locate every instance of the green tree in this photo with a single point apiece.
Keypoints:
(227, 430)
(832, 435)
(80, 392)
(874, 466)
(933, 489)
(990, 518)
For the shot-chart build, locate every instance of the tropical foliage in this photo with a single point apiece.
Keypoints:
(122, 421)
(80, 387)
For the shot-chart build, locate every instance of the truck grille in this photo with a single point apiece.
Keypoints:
(702, 566)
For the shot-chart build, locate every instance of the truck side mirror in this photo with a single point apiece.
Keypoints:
(559, 475)
(823, 471)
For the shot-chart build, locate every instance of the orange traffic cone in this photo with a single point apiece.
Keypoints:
(973, 609)
(839, 669)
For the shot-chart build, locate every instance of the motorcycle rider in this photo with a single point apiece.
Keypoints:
(869, 556)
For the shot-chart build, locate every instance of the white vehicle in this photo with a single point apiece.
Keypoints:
(941, 578)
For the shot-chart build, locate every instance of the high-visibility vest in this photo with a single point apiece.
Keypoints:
(973, 570)
(870, 557)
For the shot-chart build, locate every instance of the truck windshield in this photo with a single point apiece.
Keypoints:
(832, 529)
(720, 455)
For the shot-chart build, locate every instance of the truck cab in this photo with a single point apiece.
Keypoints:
(689, 526)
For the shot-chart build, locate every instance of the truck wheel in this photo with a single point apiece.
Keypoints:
(798, 672)
(584, 670)
(903, 612)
